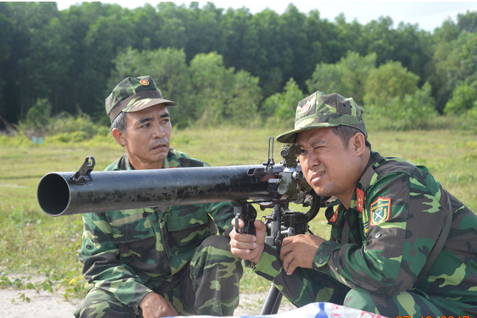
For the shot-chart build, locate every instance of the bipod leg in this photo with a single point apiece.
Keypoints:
(272, 302)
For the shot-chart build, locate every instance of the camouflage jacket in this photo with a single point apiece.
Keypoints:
(396, 214)
(130, 252)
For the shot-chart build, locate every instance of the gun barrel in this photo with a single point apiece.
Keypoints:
(59, 195)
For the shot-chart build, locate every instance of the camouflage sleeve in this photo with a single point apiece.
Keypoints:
(101, 264)
(405, 214)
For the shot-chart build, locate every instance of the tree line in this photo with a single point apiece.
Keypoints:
(228, 64)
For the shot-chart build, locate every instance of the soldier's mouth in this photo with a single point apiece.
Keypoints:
(159, 147)
(316, 177)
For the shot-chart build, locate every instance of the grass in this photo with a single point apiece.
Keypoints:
(33, 243)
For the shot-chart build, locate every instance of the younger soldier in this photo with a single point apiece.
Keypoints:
(400, 244)
(156, 262)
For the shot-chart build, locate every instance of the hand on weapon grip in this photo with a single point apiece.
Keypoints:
(246, 246)
(155, 306)
(299, 251)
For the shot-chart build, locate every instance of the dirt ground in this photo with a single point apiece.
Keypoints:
(47, 305)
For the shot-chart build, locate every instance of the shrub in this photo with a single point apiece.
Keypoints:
(462, 100)
(414, 111)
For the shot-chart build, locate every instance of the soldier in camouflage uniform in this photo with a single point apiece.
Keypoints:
(388, 222)
(160, 261)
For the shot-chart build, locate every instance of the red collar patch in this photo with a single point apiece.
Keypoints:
(360, 199)
(335, 215)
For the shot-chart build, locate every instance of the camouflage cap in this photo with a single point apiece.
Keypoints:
(320, 111)
(133, 94)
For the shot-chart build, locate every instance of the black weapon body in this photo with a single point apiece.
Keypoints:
(59, 193)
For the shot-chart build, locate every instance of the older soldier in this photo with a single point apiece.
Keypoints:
(163, 261)
(400, 244)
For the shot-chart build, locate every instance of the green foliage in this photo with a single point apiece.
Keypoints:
(467, 21)
(61, 128)
(327, 78)
(387, 82)
(38, 117)
(207, 92)
(356, 70)
(455, 64)
(222, 95)
(281, 107)
(347, 77)
(463, 99)
(414, 111)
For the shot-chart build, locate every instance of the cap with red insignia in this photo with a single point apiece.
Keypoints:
(133, 94)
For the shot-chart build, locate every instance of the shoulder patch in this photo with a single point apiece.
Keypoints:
(380, 211)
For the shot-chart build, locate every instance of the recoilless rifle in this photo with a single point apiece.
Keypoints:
(268, 185)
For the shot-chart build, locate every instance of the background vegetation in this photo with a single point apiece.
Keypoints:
(231, 66)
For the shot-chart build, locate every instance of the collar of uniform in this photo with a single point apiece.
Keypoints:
(334, 212)
(369, 175)
(171, 161)
(364, 183)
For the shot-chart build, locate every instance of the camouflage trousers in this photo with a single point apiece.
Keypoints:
(305, 286)
(208, 285)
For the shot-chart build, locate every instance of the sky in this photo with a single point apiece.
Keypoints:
(428, 15)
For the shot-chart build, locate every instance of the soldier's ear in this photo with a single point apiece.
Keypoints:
(119, 136)
(359, 143)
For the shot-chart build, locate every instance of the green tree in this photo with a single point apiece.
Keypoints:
(218, 91)
(387, 82)
(268, 64)
(355, 70)
(463, 99)
(347, 77)
(243, 50)
(327, 78)
(203, 29)
(455, 63)
(27, 20)
(280, 107)
(413, 111)
(172, 28)
(49, 63)
(467, 21)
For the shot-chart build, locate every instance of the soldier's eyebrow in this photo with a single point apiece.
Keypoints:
(147, 119)
(144, 120)
(314, 143)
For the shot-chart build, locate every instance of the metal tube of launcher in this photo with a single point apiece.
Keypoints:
(59, 194)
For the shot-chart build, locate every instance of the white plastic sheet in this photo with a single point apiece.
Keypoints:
(317, 310)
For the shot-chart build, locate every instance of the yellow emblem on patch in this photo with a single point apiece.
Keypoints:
(366, 229)
(380, 211)
(144, 82)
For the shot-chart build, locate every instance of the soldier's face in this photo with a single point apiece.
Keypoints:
(148, 136)
(330, 168)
